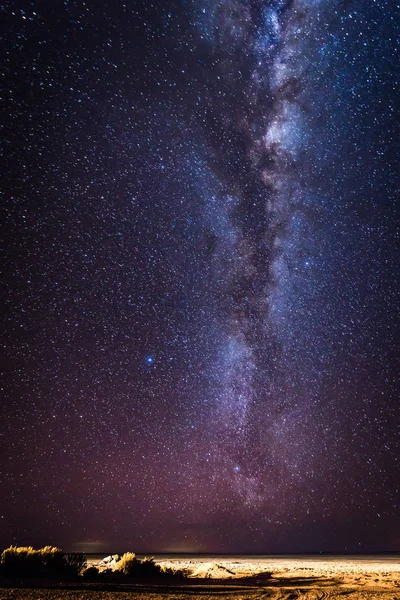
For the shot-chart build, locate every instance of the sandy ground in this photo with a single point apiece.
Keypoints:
(245, 579)
(381, 573)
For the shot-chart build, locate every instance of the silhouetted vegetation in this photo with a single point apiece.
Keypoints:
(76, 562)
(131, 566)
(90, 573)
(25, 561)
(50, 562)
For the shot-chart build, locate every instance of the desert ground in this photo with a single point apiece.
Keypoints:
(357, 578)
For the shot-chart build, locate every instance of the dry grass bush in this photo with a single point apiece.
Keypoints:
(50, 562)
(131, 566)
(25, 561)
(76, 562)
(126, 563)
(90, 573)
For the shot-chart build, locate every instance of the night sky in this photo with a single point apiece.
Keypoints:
(201, 280)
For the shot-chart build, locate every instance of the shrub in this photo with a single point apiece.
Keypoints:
(76, 562)
(52, 561)
(45, 562)
(131, 566)
(127, 563)
(90, 573)
(20, 562)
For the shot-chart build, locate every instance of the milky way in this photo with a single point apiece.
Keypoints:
(201, 276)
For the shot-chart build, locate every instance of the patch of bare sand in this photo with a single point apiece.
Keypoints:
(304, 573)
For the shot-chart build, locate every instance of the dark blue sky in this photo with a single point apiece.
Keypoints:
(201, 226)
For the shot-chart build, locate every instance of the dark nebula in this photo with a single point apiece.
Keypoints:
(201, 233)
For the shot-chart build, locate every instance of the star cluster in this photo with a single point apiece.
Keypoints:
(201, 283)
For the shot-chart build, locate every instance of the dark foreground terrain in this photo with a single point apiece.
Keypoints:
(307, 588)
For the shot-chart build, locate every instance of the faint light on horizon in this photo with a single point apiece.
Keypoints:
(90, 547)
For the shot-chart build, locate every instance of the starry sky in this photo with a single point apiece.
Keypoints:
(201, 275)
